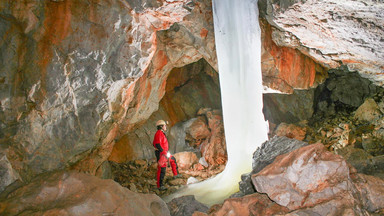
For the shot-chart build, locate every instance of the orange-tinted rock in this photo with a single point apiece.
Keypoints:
(311, 179)
(197, 132)
(122, 150)
(255, 204)
(185, 160)
(214, 148)
(291, 131)
(285, 68)
(305, 177)
(71, 193)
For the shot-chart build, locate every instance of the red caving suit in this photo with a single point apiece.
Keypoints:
(160, 142)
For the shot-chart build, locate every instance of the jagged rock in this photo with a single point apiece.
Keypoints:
(7, 174)
(284, 68)
(272, 148)
(197, 132)
(254, 204)
(214, 149)
(331, 32)
(264, 156)
(185, 206)
(185, 160)
(368, 111)
(291, 131)
(72, 193)
(313, 179)
(79, 75)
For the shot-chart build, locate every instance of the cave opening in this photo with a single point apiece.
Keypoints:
(192, 106)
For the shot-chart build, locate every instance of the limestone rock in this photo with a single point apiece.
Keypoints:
(197, 132)
(306, 176)
(264, 156)
(8, 174)
(185, 205)
(272, 148)
(331, 32)
(79, 74)
(284, 68)
(313, 179)
(72, 193)
(254, 204)
(368, 111)
(185, 160)
(289, 108)
(214, 149)
(291, 131)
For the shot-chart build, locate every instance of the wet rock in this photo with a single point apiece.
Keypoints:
(312, 179)
(291, 131)
(368, 111)
(72, 193)
(185, 206)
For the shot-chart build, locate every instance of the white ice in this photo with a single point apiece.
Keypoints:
(237, 36)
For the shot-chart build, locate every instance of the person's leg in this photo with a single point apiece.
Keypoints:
(160, 176)
(175, 169)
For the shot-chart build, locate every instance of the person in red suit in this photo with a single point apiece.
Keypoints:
(160, 143)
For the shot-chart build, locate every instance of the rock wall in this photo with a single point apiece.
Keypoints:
(79, 74)
(332, 33)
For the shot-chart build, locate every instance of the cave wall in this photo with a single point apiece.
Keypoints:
(78, 76)
(71, 82)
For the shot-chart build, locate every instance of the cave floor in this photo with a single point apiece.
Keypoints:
(140, 176)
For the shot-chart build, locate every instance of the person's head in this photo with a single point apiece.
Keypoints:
(161, 125)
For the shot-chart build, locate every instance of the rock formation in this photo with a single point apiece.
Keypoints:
(81, 83)
(72, 193)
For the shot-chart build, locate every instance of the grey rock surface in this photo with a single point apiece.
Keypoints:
(264, 156)
(332, 32)
(186, 206)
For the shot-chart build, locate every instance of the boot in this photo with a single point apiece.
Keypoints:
(177, 176)
(162, 188)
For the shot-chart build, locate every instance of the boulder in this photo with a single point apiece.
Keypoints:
(197, 131)
(185, 206)
(368, 111)
(214, 149)
(253, 204)
(73, 193)
(314, 179)
(186, 160)
(291, 131)
(264, 156)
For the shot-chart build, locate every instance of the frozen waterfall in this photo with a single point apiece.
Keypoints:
(237, 35)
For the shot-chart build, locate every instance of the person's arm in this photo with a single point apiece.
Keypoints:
(158, 147)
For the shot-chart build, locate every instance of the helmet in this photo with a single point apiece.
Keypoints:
(160, 122)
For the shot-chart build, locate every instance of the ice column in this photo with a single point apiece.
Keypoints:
(237, 36)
